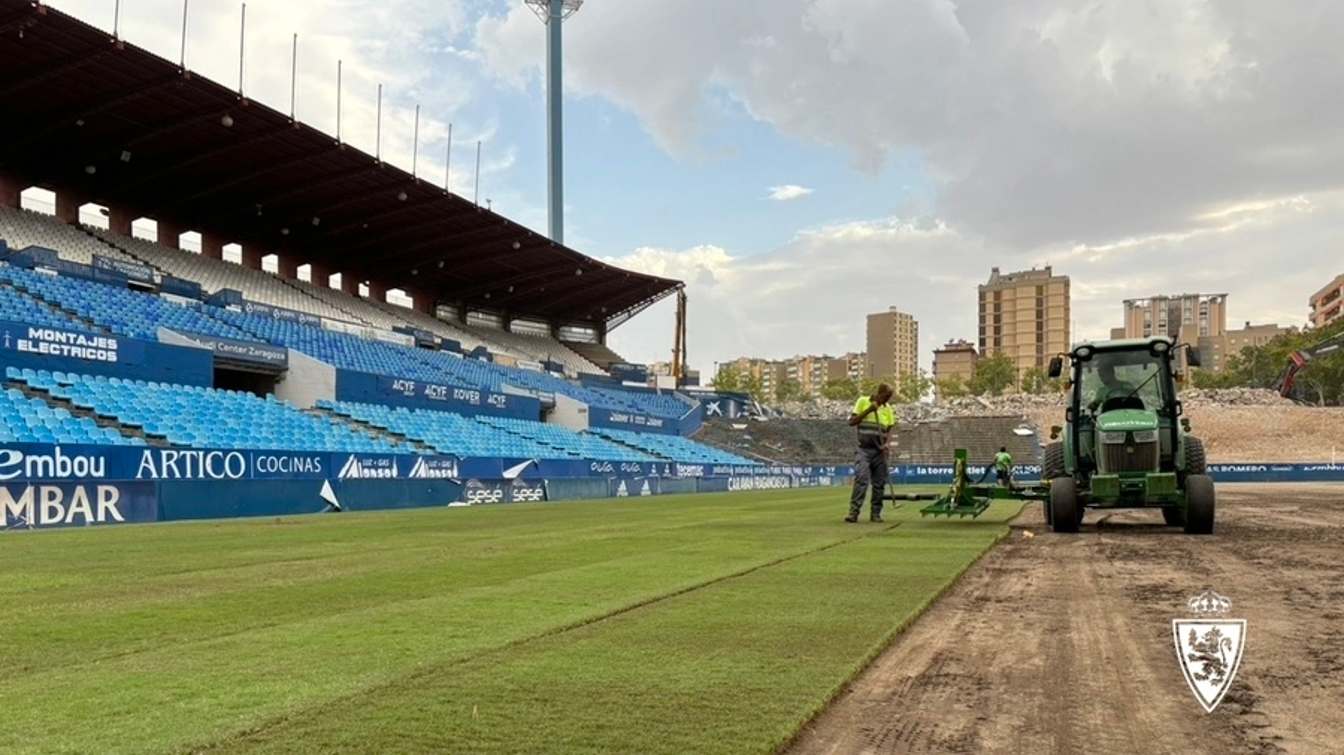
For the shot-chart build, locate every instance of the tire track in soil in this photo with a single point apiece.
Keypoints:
(1062, 643)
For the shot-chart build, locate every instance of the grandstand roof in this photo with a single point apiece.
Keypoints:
(76, 97)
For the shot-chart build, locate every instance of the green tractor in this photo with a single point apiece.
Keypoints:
(1125, 443)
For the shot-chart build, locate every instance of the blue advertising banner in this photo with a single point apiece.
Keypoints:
(125, 268)
(477, 492)
(419, 394)
(422, 337)
(42, 462)
(89, 353)
(30, 505)
(617, 420)
(633, 373)
(1277, 472)
(247, 352)
(179, 287)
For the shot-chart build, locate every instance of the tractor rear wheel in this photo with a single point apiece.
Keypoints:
(1052, 467)
(1199, 504)
(1065, 515)
(1195, 460)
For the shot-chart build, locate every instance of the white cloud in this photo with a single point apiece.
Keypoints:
(812, 294)
(1041, 122)
(788, 192)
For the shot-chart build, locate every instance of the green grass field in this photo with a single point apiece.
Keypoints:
(711, 623)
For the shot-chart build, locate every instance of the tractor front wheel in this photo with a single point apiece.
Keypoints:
(1174, 516)
(1199, 504)
(1065, 515)
(1052, 466)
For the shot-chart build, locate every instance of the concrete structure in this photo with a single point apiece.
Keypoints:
(1188, 317)
(1327, 305)
(851, 366)
(769, 373)
(893, 345)
(1214, 350)
(811, 372)
(955, 359)
(1025, 315)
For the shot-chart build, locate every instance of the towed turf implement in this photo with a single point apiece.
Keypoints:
(967, 498)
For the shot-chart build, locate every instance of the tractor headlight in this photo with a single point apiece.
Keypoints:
(1161, 347)
(1145, 436)
(1112, 438)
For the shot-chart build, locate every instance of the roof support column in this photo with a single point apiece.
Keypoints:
(320, 275)
(212, 246)
(287, 266)
(423, 301)
(378, 292)
(119, 220)
(67, 207)
(10, 189)
(350, 284)
(170, 234)
(251, 258)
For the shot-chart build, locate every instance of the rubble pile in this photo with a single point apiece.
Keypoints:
(1016, 404)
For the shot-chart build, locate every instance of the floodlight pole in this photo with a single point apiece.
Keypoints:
(183, 58)
(242, 47)
(553, 13)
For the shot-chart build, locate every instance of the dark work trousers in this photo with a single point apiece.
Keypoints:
(870, 468)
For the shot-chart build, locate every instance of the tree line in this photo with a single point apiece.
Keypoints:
(1321, 382)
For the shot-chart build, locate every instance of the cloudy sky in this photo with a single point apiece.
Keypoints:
(800, 163)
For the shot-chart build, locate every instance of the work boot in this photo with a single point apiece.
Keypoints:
(875, 518)
(852, 518)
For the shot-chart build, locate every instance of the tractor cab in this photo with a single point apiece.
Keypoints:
(1124, 443)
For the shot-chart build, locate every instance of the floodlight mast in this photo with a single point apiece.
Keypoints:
(553, 13)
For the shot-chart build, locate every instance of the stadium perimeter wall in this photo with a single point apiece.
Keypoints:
(44, 486)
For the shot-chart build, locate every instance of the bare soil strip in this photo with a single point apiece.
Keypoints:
(1062, 643)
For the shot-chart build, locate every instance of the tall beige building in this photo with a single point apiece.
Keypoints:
(893, 344)
(851, 366)
(1327, 305)
(1214, 350)
(770, 373)
(1188, 317)
(1025, 315)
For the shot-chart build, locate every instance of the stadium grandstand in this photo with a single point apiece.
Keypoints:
(497, 371)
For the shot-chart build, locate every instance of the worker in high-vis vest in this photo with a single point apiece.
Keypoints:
(875, 420)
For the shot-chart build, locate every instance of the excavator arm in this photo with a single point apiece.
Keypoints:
(1298, 360)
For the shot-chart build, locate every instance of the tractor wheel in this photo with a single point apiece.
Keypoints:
(1052, 467)
(1065, 515)
(1052, 463)
(1199, 504)
(1195, 462)
(1174, 516)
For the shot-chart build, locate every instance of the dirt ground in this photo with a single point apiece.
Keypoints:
(1062, 643)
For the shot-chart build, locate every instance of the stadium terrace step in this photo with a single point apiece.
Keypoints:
(75, 411)
(597, 353)
(56, 307)
(377, 433)
(816, 441)
(93, 234)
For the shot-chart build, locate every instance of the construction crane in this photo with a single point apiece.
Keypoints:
(1298, 360)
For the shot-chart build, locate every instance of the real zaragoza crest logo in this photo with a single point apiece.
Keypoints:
(1209, 647)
